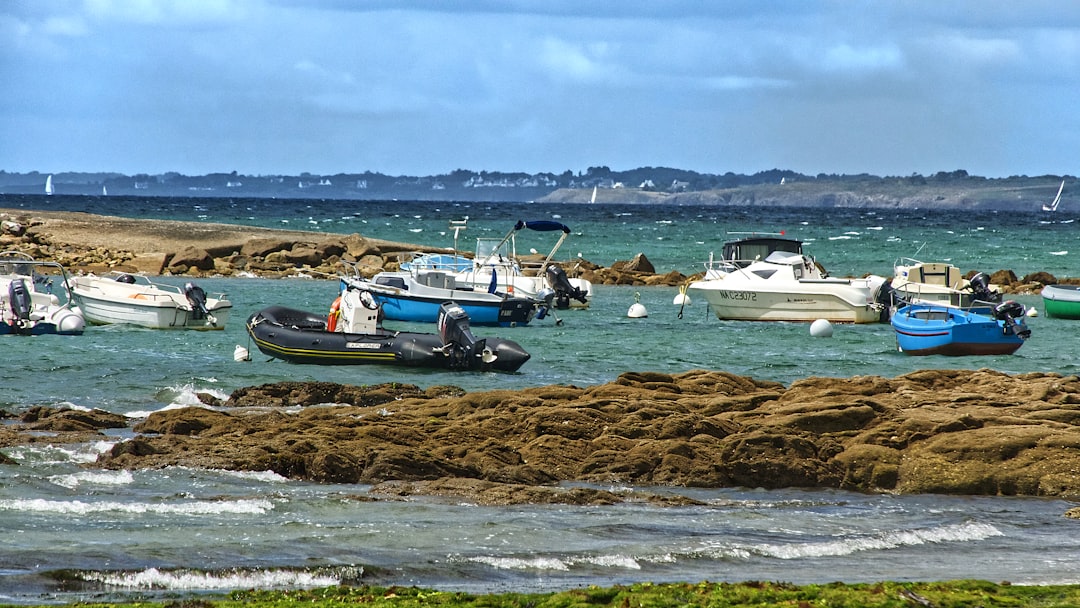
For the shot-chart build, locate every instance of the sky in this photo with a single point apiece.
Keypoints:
(266, 87)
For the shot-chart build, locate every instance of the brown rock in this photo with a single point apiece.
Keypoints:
(190, 257)
(640, 264)
(261, 247)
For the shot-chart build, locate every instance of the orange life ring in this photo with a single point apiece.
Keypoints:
(335, 312)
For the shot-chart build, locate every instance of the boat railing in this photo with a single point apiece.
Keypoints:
(15, 263)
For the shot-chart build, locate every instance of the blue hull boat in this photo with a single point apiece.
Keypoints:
(418, 297)
(936, 329)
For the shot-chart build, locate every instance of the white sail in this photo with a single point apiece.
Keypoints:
(593, 199)
(1057, 199)
(48, 185)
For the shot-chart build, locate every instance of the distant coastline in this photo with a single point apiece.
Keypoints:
(643, 186)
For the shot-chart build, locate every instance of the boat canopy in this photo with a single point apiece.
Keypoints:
(542, 226)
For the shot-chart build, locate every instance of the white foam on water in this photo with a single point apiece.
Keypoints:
(846, 546)
(154, 578)
(521, 563)
(625, 562)
(97, 478)
(74, 453)
(79, 507)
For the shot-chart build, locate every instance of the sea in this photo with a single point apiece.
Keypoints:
(72, 532)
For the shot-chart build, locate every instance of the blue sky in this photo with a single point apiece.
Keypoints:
(419, 88)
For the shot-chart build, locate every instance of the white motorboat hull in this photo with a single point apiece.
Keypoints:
(105, 301)
(835, 300)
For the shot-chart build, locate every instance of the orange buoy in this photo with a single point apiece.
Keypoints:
(335, 312)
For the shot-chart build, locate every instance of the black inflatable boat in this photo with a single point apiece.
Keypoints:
(299, 336)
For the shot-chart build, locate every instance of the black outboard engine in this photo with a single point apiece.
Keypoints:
(1009, 311)
(21, 303)
(127, 278)
(459, 343)
(564, 291)
(196, 297)
(979, 284)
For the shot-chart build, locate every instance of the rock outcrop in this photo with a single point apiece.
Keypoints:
(935, 431)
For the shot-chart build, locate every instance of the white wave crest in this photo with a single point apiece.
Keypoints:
(626, 562)
(77, 453)
(98, 478)
(187, 579)
(891, 540)
(79, 507)
(519, 563)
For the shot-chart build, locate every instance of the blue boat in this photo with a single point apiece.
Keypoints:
(937, 329)
(418, 296)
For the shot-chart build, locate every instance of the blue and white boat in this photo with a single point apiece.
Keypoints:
(924, 328)
(418, 295)
(497, 262)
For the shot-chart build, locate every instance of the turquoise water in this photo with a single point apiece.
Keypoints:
(161, 531)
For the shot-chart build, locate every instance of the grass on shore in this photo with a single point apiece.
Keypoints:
(965, 593)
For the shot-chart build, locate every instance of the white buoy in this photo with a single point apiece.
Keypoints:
(241, 354)
(682, 298)
(821, 328)
(637, 309)
(1032, 312)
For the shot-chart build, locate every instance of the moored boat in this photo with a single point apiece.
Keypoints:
(787, 286)
(418, 295)
(939, 283)
(1062, 301)
(136, 300)
(936, 329)
(354, 335)
(29, 304)
(497, 266)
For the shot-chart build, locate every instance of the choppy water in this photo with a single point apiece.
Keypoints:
(144, 532)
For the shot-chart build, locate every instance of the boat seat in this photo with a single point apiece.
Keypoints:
(945, 275)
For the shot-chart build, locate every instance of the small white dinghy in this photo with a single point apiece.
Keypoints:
(136, 300)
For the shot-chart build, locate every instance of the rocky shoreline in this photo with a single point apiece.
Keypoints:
(933, 431)
(86, 243)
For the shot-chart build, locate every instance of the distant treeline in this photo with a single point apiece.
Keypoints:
(466, 185)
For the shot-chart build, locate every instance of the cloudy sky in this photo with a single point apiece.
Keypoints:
(421, 88)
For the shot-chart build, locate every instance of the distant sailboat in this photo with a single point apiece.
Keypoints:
(1057, 199)
(48, 186)
(104, 190)
(593, 199)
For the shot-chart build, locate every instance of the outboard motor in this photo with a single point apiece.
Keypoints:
(979, 284)
(1009, 311)
(886, 297)
(459, 343)
(21, 302)
(564, 291)
(127, 278)
(196, 297)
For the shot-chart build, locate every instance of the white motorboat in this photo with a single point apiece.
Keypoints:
(787, 286)
(747, 250)
(136, 300)
(28, 304)
(939, 283)
(497, 266)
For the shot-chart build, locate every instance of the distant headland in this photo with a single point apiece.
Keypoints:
(646, 185)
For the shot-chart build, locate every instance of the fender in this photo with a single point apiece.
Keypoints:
(335, 312)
